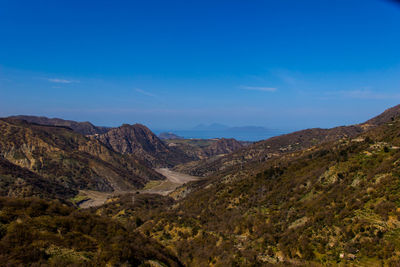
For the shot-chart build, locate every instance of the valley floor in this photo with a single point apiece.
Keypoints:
(164, 187)
(173, 181)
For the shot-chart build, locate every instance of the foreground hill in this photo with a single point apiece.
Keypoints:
(138, 140)
(85, 128)
(72, 160)
(279, 145)
(35, 232)
(335, 203)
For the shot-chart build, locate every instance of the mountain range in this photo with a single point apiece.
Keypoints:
(70, 159)
(316, 197)
(276, 146)
(138, 140)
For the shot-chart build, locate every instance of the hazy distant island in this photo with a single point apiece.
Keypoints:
(216, 130)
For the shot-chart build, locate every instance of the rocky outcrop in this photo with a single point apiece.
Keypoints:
(71, 159)
(140, 141)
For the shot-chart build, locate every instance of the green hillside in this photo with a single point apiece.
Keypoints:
(35, 232)
(337, 203)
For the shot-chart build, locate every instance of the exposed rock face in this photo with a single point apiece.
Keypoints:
(85, 128)
(138, 140)
(128, 139)
(71, 159)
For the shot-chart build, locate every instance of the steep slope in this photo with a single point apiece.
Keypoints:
(138, 140)
(279, 145)
(69, 158)
(19, 182)
(335, 203)
(85, 128)
(387, 116)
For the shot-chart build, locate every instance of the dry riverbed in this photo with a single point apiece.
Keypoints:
(173, 181)
(164, 187)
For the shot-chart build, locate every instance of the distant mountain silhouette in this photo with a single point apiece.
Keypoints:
(211, 127)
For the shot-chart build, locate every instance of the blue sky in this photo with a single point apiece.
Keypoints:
(174, 64)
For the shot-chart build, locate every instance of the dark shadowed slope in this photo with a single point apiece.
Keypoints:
(16, 181)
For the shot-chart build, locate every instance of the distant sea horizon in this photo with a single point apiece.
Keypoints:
(244, 135)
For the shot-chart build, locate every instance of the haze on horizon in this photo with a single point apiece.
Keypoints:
(177, 64)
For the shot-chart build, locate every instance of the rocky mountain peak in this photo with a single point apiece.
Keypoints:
(139, 140)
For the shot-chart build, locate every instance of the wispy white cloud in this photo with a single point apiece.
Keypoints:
(257, 88)
(143, 92)
(57, 80)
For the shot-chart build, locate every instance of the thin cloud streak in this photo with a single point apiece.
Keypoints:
(143, 92)
(56, 80)
(262, 89)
